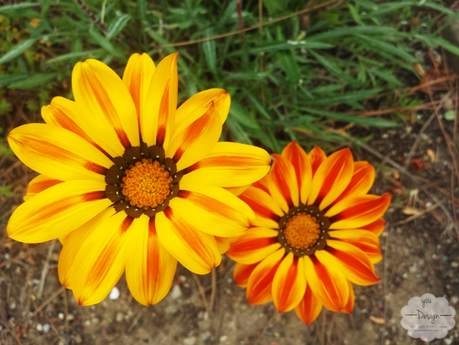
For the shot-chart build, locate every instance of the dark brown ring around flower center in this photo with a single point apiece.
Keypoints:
(314, 215)
(116, 176)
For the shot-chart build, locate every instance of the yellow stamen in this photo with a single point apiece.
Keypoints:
(302, 231)
(146, 184)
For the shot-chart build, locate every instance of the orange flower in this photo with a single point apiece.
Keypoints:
(130, 183)
(316, 231)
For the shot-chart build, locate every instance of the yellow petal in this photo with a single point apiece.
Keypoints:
(107, 111)
(361, 182)
(137, 78)
(289, 284)
(157, 122)
(195, 250)
(212, 210)
(150, 268)
(100, 261)
(230, 165)
(57, 211)
(58, 153)
(39, 184)
(196, 106)
(198, 139)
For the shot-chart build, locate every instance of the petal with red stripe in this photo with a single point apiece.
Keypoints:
(316, 157)
(282, 183)
(242, 273)
(107, 113)
(58, 153)
(331, 178)
(150, 268)
(230, 165)
(194, 142)
(356, 212)
(100, 260)
(351, 261)
(377, 227)
(289, 284)
(361, 182)
(39, 184)
(350, 302)
(300, 161)
(254, 245)
(57, 211)
(194, 249)
(362, 239)
(309, 307)
(259, 286)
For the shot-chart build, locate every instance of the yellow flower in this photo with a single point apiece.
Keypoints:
(129, 182)
(316, 231)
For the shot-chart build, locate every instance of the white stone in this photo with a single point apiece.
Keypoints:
(114, 294)
(176, 292)
(223, 338)
(39, 327)
(46, 327)
(60, 316)
(189, 341)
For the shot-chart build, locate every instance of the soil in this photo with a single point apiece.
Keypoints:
(420, 255)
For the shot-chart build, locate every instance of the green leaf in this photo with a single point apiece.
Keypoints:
(258, 106)
(239, 134)
(353, 30)
(275, 6)
(210, 51)
(18, 50)
(289, 44)
(440, 8)
(5, 190)
(327, 89)
(335, 70)
(343, 98)
(33, 80)
(117, 26)
(239, 114)
(10, 9)
(45, 8)
(11, 78)
(389, 48)
(450, 115)
(248, 76)
(354, 14)
(359, 120)
(104, 43)
(77, 55)
(433, 40)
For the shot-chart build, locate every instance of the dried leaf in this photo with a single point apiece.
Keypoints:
(378, 320)
(410, 211)
(431, 154)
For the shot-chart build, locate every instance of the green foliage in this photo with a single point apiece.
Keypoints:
(5, 190)
(289, 81)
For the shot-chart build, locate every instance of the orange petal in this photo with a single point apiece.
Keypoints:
(100, 261)
(194, 142)
(316, 157)
(230, 165)
(377, 227)
(39, 184)
(327, 283)
(331, 178)
(296, 155)
(262, 184)
(58, 153)
(309, 308)
(74, 240)
(350, 303)
(57, 211)
(194, 249)
(356, 212)
(65, 113)
(157, 124)
(352, 261)
(107, 112)
(260, 281)
(289, 284)
(137, 78)
(212, 210)
(242, 273)
(282, 183)
(197, 105)
(254, 245)
(150, 268)
(362, 239)
(267, 211)
(361, 182)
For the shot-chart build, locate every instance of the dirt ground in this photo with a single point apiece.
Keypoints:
(420, 255)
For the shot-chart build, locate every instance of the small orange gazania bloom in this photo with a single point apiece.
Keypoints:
(129, 182)
(316, 231)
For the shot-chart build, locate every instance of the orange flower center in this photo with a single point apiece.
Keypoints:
(146, 184)
(302, 231)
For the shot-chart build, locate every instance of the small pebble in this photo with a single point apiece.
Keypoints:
(13, 306)
(454, 264)
(95, 320)
(223, 338)
(445, 258)
(454, 299)
(70, 317)
(182, 278)
(119, 317)
(78, 339)
(176, 292)
(60, 316)
(189, 341)
(114, 294)
(39, 327)
(46, 327)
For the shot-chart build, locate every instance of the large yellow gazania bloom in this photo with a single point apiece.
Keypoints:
(129, 182)
(316, 231)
